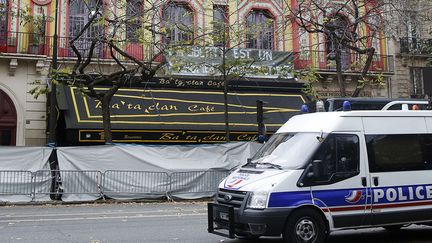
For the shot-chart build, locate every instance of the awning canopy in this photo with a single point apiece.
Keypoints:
(180, 110)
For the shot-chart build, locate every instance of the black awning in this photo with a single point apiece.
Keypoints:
(188, 114)
(186, 109)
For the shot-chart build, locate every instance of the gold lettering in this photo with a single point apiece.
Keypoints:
(169, 136)
(137, 107)
(129, 106)
(152, 107)
(116, 106)
(246, 137)
(190, 137)
(98, 104)
(193, 108)
(206, 108)
(214, 137)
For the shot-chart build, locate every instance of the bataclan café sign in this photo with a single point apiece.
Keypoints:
(180, 110)
(177, 115)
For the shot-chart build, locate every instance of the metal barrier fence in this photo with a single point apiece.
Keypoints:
(117, 183)
(111, 183)
(16, 182)
(196, 181)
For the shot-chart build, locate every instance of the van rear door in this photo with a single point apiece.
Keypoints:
(400, 163)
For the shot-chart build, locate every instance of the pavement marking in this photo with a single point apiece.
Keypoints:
(13, 221)
(100, 213)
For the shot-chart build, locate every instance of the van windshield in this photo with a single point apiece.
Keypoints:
(286, 150)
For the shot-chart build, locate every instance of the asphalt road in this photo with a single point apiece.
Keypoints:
(148, 222)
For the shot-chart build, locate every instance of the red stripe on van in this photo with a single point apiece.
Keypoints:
(368, 207)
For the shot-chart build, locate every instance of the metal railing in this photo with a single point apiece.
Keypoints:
(111, 183)
(116, 182)
(203, 181)
(17, 182)
(38, 44)
(409, 45)
(351, 61)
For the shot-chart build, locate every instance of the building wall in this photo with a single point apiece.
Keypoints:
(402, 83)
(31, 112)
(31, 127)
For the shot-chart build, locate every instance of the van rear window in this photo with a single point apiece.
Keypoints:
(403, 152)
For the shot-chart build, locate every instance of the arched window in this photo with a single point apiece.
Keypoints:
(3, 21)
(339, 29)
(220, 25)
(80, 12)
(134, 14)
(260, 30)
(178, 21)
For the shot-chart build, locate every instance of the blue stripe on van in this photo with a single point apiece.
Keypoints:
(289, 199)
(353, 196)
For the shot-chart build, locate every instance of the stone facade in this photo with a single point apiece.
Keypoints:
(19, 72)
(18, 75)
(411, 44)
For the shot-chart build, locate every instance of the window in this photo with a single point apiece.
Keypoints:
(3, 21)
(134, 13)
(399, 152)
(260, 29)
(417, 81)
(337, 159)
(178, 21)
(339, 29)
(220, 25)
(80, 11)
(287, 150)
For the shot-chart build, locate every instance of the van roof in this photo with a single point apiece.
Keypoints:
(349, 120)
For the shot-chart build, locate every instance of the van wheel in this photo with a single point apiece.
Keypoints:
(305, 226)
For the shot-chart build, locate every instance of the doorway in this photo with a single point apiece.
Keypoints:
(8, 120)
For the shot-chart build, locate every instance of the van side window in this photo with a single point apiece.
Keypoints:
(403, 152)
(337, 159)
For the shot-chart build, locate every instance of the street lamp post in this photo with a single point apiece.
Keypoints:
(52, 137)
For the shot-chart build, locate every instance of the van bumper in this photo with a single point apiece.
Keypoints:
(245, 222)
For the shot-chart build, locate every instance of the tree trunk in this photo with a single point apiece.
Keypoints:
(106, 118)
(226, 106)
(340, 78)
(371, 52)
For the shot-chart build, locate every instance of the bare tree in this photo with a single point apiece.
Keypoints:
(226, 49)
(109, 30)
(343, 25)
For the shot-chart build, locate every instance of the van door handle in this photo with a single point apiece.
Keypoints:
(363, 181)
(375, 181)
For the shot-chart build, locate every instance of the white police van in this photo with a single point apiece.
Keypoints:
(329, 171)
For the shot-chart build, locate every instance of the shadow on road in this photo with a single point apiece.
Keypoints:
(378, 235)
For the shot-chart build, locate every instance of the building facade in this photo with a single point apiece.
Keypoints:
(411, 44)
(274, 39)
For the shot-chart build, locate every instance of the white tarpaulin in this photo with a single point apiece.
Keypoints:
(18, 182)
(138, 171)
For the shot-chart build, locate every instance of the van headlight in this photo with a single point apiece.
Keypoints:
(258, 198)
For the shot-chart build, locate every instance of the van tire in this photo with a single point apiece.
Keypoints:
(305, 226)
